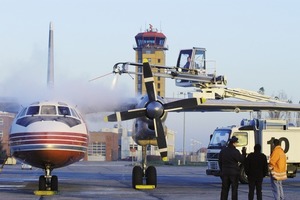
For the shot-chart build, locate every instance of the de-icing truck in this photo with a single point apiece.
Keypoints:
(256, 131)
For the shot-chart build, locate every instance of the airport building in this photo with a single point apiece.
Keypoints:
(150, 45)
(5, 122)
(103, 145)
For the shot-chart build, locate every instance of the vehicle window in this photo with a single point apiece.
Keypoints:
(220, 138)
(33, 110)
(63, 110)
(243, 138)
(184, 54)
(48, 110)
(199, 59)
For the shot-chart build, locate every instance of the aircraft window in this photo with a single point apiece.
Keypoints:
(48, 110)
(22, 113)
(62, 110)
(33, 110)
(74, 113)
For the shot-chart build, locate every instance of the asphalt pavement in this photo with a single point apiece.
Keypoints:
(112, 180)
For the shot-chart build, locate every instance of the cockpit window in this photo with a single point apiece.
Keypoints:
(74, 113)
(48, 110)
(22, 113)
(33, 110)
(62, 110)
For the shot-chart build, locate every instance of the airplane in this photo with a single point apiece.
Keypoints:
(150, 112)
(49, 134)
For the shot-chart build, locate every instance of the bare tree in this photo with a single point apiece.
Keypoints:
(262, 92)
(287, 115)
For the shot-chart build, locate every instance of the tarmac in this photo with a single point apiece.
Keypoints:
(112, 180)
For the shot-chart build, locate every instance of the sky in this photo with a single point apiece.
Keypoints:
(254, 44)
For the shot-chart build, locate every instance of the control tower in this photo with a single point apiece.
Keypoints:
(150, 45)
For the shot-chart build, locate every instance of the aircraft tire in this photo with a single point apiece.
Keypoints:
(54, 183)
(137, 176)
(151, 177)
(42, 183)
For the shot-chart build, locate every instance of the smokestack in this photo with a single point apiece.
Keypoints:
(50, 74)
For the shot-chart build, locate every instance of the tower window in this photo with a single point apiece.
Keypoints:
(158, 60)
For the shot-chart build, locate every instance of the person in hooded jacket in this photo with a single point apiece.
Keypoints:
(256, 168)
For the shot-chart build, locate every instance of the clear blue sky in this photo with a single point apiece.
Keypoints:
(254, 43)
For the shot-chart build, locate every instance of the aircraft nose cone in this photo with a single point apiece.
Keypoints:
(154, 109)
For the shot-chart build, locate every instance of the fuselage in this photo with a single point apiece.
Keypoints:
(48, 135)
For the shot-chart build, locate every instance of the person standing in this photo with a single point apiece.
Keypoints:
(229, 159)
(277, 166)
(256, 168)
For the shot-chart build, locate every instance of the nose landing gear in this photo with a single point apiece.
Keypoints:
(139, 174)
(48, 184)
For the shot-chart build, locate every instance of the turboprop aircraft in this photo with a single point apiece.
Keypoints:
(150, 113)
(48, 134)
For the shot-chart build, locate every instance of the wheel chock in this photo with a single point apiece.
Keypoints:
(145, 187)
(45, 192)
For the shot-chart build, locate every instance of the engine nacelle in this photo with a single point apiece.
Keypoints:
(144, 101)
(143, 131)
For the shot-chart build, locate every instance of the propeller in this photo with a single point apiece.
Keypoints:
(155, 110)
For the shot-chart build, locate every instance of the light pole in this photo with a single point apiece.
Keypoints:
(183, 145)
(183, 139)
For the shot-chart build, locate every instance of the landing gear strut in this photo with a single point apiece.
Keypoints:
(140, 173)
(48, 182)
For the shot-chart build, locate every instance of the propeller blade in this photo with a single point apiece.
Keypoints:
(161, 139)
(183, 104)
(149, 81)
(126, 115)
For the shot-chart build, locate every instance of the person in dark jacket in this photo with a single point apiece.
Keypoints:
(256, 168)
(229, 159)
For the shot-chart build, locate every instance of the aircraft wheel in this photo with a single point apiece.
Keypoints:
(151, 177)
(54, 183)
(42, 183)
(137, 176)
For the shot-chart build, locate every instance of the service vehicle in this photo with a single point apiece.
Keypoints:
(256, 131)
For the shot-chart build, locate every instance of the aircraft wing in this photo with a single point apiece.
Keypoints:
(239, 106)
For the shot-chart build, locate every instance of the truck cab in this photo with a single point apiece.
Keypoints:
(219, 140)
